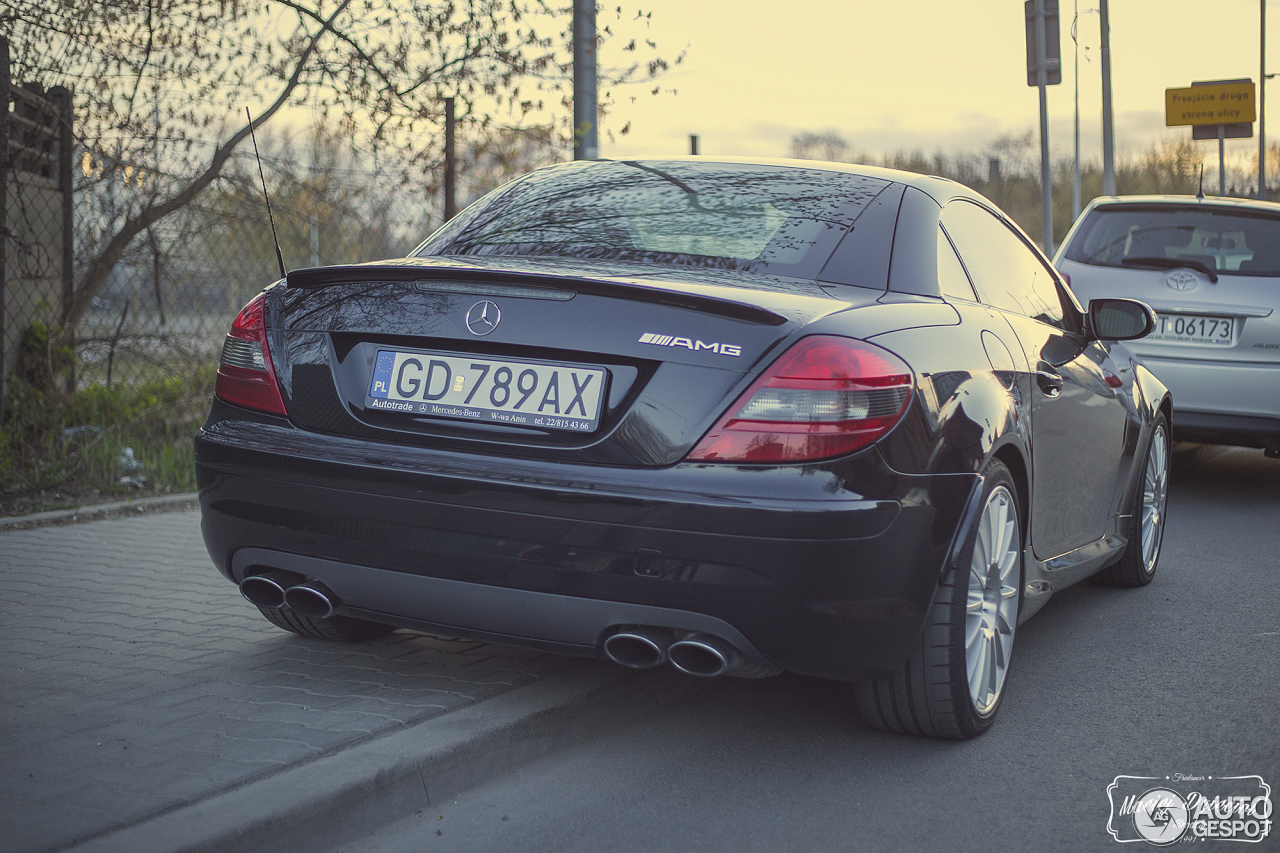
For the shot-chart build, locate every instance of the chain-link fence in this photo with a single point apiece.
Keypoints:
(171, 290)
(123, 267)
(169, 300)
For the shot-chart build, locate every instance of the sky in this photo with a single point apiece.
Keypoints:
(892, 75)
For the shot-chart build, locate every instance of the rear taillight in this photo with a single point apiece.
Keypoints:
(826, 396)
(245, 374)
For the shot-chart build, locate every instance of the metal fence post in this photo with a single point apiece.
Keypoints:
(450, 162)
(4, 218)
(63, 105)
(61, 97)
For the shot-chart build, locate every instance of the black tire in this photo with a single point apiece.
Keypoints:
(342, 629)
(931, 695)
(1137, 565)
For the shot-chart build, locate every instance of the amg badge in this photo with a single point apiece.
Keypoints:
(689, 343)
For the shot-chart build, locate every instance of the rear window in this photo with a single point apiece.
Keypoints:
(770, 219)
(1226, 241)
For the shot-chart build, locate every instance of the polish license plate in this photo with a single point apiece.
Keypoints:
(1195, 329)
(544, 395)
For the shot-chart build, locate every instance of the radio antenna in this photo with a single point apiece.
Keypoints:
(270, 218)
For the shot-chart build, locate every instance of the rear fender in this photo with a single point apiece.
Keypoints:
(1151, 397)
(1150, 394)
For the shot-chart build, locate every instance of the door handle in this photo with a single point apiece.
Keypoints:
(1049, 380)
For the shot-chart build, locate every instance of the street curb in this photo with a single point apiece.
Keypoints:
(96, 512)
(344, 796)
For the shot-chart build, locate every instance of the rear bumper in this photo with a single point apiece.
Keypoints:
(790, 565)
(1214, 428)
(1222, 402)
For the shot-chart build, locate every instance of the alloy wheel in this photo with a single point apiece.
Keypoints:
(1154, 490)
(991, 612)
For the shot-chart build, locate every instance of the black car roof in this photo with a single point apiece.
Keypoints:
(939, 189)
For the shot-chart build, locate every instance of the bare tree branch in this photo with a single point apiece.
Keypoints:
(101, 266)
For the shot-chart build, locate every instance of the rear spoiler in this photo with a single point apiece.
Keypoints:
(531, 285)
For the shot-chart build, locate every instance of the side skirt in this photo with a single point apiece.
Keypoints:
(1045, 577)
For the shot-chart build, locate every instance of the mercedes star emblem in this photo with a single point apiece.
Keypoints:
(483, 318)
(1182, 280)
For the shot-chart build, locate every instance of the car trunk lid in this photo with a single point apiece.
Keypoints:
(642, 358)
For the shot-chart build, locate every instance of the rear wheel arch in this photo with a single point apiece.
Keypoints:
(1011, 456)
(1136, 565)
(953, 681)
(1013, 459)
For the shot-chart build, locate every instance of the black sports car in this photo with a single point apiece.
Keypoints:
(739, 416)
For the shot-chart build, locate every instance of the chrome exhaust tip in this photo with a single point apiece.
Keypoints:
(638, 648)
(267, 589)
(703, 656)
(312, 599)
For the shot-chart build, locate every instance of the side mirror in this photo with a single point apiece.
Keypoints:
(1120, 319)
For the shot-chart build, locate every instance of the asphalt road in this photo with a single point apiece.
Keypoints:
(1181, 677)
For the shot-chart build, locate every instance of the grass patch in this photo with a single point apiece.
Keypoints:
(100, 443)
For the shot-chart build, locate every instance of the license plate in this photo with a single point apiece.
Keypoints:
(448, 385)
(1195, 329)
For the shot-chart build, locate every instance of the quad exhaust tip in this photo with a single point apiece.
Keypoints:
(312, 599)
(638, 648)
(276, 589)
(643, 647)
(703, 656)
(267, 589)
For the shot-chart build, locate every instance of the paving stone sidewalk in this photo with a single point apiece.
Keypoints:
(135, 680)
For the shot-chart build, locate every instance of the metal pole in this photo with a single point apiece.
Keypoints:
(450, 162)
(4, 211)
(1222, 159)
(315, 239)
(1042, 79)
(693, 143)
(585, 139)
(1108, 131)
(1262, 103)
(1075, 176)
(63, 104)
(61, 98)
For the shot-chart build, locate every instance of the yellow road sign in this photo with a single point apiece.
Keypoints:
(1218, 103)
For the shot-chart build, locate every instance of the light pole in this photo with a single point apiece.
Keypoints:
(586, 143)
(1108, 131)
(1075, 181)
(1040, 41)
(1262, 103)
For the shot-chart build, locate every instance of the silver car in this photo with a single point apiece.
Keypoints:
(1210, 267)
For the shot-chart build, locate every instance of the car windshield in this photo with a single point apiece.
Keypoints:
(1218, 239)
(755, 218)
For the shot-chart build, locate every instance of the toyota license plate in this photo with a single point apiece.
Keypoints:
(1194, 329)
(545, 395)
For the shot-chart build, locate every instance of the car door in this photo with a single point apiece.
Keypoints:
(1078, 422)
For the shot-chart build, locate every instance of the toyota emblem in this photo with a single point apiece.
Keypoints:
(1182, 280)
(483, 318)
